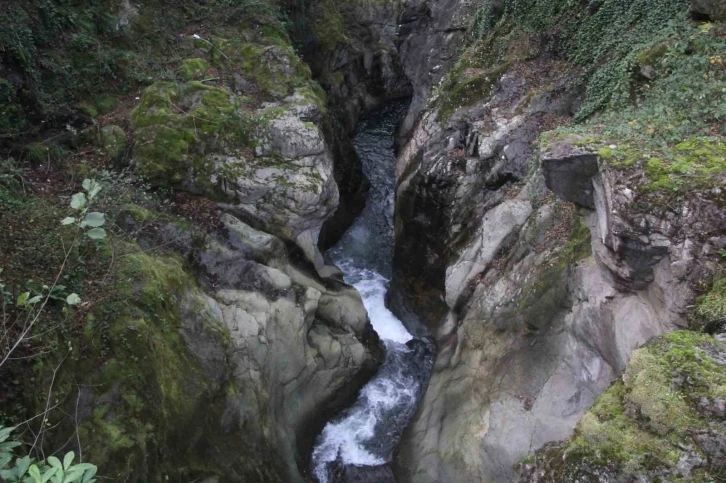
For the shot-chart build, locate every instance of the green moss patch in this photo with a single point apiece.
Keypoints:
(698, 162)
(193, 69)
(468, 90)
(644, 424)
(329, 27)
(175, 122)
(547, 295)
(148, 384)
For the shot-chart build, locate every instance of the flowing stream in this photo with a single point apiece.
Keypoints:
(366, 434)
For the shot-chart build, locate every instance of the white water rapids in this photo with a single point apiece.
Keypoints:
(366, 434)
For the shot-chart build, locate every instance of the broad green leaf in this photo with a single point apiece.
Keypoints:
(92, 186)
(49, 473)
(73, 299)
(9, 445)
(55, 462)
(96, 234)
(22, 464)
(58, 476)
(68, 459)
(68, 221)
(22, 299)
(71, 477)
(35, 299)
(89, 474)
(82, 467)
(94, 219)
(8, 475)
(78, 201)
(5, 432)
(5, 459)
(35, 473)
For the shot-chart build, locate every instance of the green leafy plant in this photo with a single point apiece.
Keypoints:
(15, 469)
(604, 39)
(81, 203)
(30, 304)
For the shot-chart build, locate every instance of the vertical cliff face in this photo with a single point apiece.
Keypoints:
(541, 256)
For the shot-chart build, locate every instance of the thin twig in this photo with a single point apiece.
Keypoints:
(78, 434)
(41, 434)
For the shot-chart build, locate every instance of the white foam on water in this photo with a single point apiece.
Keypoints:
(346, 438)
(372, 287)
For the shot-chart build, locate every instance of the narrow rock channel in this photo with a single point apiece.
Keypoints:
(358, 445)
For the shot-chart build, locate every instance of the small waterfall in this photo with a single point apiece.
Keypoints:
(364, 436)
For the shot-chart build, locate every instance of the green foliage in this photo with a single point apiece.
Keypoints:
(687, 97)
(604, 38)
(671, 130)
(11, 182)
(63, 49)
(26, 470)
(81, 202)
(77, 54)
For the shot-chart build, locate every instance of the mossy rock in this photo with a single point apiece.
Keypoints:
(150, 385)
(694, 163)
(138, 213)
(548, 295)
(194, 69)
(468, 90)
(277, 70)
(179, 125)
(651, 55)
(329, 26)
(643, 425)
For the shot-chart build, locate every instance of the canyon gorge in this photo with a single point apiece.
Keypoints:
(381, 241)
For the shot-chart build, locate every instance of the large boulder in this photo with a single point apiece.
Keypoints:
(271, 165)
(663, 421)
(300, 346)
(714, 10)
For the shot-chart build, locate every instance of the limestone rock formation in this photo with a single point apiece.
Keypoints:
(258, 351)
(536, 303)
(298, 344)
(663, 420)
(271, 164)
